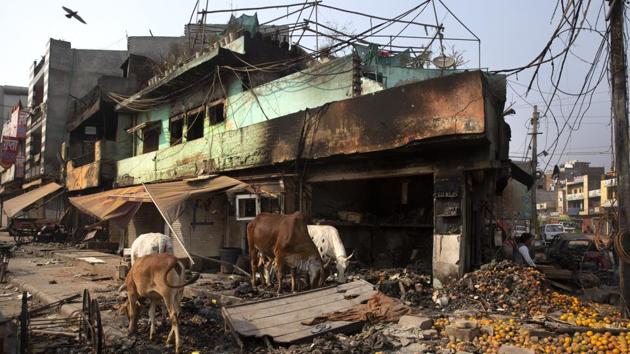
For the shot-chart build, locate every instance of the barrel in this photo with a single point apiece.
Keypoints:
(229, 255)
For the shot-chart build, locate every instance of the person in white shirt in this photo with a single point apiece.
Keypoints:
(521, 252)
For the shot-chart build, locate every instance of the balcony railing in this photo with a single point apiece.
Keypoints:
(610, 182)
(32, 172)
(575, 196)
(595, 193)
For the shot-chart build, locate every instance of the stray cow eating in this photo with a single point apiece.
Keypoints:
(156, 276)
(285, 239)
(330, 247)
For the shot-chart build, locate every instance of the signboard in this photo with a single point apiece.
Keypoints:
(9, 151)
(20, 160)
(21, 124)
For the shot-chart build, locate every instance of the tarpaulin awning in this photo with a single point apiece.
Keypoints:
(116, 205)
(15, 205)
(120, 205)
(169, 197)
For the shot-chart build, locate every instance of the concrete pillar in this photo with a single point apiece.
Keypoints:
(448, 235)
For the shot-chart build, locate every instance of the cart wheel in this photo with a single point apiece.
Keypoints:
(97, 326)
(24, 319)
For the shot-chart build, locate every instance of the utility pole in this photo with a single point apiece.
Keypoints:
(533, 224)
(618, 77)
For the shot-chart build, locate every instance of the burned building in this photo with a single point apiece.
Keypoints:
(406, 162)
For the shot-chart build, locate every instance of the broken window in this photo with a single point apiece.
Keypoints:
(36, 142)
(150, 139)
(194, 125)
(247, 206)
(216, 113)
(177, 131)
(270, 205)
(250, 205)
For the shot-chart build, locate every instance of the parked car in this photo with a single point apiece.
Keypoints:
(569, 226)
(552, 230)
(578, 252)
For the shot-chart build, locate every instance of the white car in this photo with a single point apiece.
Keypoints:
(552, 230)
(519, 230)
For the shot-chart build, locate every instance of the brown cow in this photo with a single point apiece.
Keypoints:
(156, 276)
(285, 239)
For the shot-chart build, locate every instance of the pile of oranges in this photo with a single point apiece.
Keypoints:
(509, 332)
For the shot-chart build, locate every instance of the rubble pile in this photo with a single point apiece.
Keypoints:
(503, 287)
(412, 288)
(370, 340)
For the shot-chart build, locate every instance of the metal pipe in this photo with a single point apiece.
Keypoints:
(258, 8)
(380, 18)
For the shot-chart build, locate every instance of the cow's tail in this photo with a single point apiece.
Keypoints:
(178, 264)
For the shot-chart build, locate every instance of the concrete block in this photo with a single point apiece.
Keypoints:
(410, 321)
(510, 349)
(463, 334)
(535, 331)
(414, 348)
(430, 333)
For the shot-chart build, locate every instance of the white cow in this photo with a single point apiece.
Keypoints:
(146, 244)
(330, 247)
(150, 243)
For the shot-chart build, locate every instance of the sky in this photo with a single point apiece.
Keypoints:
(512, 33)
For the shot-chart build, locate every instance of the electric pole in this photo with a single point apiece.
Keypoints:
(619, 100)
(533, 224)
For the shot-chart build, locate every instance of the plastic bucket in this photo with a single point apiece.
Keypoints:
(230, 255)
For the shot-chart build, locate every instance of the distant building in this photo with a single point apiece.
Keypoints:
(9, 97)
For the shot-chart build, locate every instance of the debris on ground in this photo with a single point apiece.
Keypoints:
(406, 284)
(499, 287)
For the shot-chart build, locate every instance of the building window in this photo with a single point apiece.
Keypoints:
(36, 143)
(216, 113)
(110, 126)
(150, 139)
(194, 125)
(270, 205)
(250, 205)
(177, 131)
(247, 206)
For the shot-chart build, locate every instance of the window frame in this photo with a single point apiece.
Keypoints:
(257, 197)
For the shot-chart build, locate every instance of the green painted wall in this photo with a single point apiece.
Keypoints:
(394, 76)
(312, 88)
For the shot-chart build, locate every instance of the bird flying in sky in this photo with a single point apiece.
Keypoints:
(71, 14)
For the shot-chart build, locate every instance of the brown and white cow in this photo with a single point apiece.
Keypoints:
(285, 239)
(156, 277)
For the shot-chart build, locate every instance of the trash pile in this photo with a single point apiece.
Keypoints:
(371, 340)
(499, 287)
(411, 288)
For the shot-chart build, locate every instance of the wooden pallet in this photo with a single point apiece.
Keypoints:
(281, 318)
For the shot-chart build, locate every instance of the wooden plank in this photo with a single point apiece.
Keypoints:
(275, 325)
(281, 318)
(297, 306)
(288, 299)
(306, 334)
